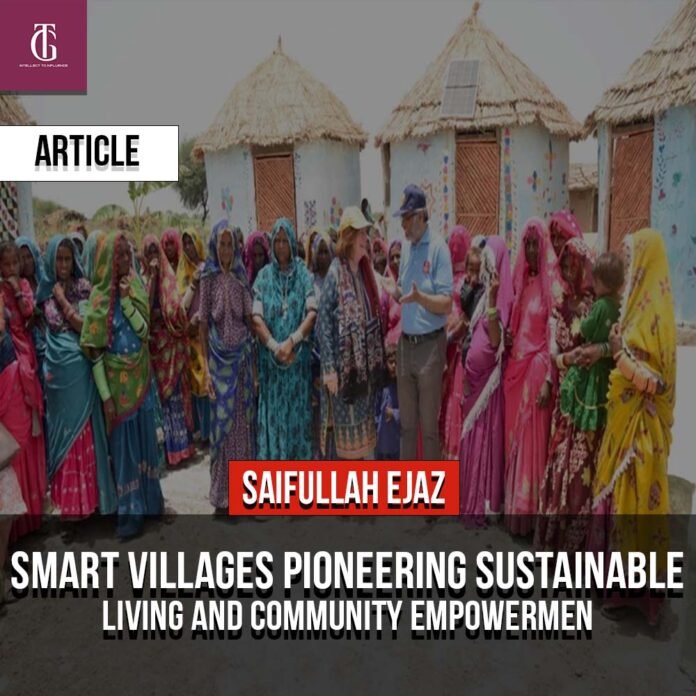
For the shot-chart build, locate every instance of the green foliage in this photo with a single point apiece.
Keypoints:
(137, 191)
(109, 211)
(192, 186)
(42, 207)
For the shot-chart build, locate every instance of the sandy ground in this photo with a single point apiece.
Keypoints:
(56, 647)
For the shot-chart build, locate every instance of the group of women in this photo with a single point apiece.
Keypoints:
(557, 395)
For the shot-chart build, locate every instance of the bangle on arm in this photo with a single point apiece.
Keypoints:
(492, 312)
(272, 345)
(99, 374)
(560, 362)
(297, 337)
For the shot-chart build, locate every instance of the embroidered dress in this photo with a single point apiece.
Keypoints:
(21, 408)
(453, 380)
(481, 451)
(350, 338)
(630, 489)
(169, 355)
(196, 359)
(38, 331)
(78, 458)
(226, 307)
(565, 496)
(283, 299)
(136, 456)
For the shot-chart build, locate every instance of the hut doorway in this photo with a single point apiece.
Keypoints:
(631, 182)
(477, 179)
(274, 181)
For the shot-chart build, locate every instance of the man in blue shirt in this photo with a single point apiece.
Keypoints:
(425, 293)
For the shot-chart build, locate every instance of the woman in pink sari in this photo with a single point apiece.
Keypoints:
(21, 408)
(453, 380)
(481, 452)
(563, 226)
(528, 380)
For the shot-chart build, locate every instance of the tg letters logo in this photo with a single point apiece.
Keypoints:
(43, 46)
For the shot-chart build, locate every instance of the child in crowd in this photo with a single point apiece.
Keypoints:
(584, 389)
(387, 417)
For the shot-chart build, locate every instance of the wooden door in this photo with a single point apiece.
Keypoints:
(631, 184)
(477, 176)
(274, 180)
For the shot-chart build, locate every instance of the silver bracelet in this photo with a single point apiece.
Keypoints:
(272, 345)
(297, 337)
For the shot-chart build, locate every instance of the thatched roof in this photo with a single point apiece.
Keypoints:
(279, 103)
(582, 177)
(509, 93)
(663, 77)
(12, 113)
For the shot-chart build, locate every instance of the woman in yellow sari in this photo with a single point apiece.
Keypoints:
(630, 485)
(188, 274)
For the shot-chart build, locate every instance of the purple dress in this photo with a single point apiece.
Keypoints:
(224, 303)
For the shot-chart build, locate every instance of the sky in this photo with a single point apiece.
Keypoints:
(156, 62)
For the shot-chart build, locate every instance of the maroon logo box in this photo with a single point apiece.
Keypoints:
(43, 45)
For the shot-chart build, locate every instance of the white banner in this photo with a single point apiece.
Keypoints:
(89, 153)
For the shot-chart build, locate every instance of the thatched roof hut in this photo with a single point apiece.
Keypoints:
(582, 176)
(282, 145)
(279, 103)
(12, 113)
(661, 78)
(509, 93)
(495, 159)
(582, 190)
(646, 130)
(15, 197)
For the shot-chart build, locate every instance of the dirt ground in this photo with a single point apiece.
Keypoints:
(56, 646)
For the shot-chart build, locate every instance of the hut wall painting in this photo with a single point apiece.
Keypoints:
(231, 187)
(428, 162)
(539, 165)
(327, 178)
(673, 207)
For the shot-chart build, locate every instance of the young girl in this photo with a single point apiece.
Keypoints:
(584, 390)
(388, 413)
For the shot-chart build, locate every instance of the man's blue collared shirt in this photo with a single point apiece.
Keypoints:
(428, 264)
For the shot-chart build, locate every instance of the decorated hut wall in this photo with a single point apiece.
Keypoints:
(534, 180)
(230, 177)
(673, 202)
(327, 178)
(428, 162)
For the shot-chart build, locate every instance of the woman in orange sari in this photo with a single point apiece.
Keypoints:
(528, 376)
(169, 352)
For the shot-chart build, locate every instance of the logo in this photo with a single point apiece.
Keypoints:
(43, 46)
(46, 52)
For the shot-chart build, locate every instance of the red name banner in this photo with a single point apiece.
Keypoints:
(343, 488)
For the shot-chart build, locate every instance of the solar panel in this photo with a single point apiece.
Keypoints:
(461, 85)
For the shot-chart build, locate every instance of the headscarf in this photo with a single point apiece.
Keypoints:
(308, 242)
(128, 375)
(186, 267)
(551, 286)
(567, 224)
(495, 258)
(49, 279)
(632, 461)
(458, 243)
(168, 347)
(577, 248)
(35, 254)
(257, 237)
(295, 284)
(394, 243)
(212, 261)
(89, 253)
(172, 234)
(77, 238)
(319, 237)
